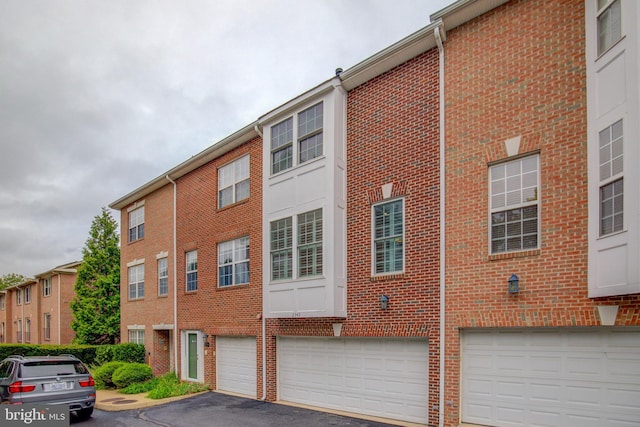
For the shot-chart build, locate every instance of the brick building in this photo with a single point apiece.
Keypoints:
(38, 311)
(438, 234)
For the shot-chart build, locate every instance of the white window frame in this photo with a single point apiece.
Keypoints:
(3, 301)
(297, 131)
(27, 294)
(19, 330)
(18, 296)
(135, 273)
(503, 192)
(233, 179)
(611, 175)
(312, 247)
(163, 276)
(46, 327)
(46, 287)
(137, 335)
(606, 10)
(234, 254)
(395, 236)
(136, 224)
(191, 270)
(27, 329)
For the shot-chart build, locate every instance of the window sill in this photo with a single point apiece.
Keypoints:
(238, 286)
(390, 276)
(232, 205)
(511, 255)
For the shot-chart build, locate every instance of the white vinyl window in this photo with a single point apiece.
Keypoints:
(514, 205)
(611, 160)
(136, 336)
(233, 182)
(3, 302)
(27, 295)
(46, 287)
(233, 262)
(46, 331)
(18, 296)
(163, 276)
(388, 237)
(609, 24)
(136, 224)
(281, 249)
(136, 282)
(306, 128)
(192, 270)
(310, 243)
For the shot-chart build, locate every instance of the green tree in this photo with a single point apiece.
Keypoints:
(96, 306)
(11, 279)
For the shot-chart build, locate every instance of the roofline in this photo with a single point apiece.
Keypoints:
(27, 281)
(394, 55)
(212, 152)
(68, 268)
(463, 11)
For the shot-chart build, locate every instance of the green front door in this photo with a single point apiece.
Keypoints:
(193, 355)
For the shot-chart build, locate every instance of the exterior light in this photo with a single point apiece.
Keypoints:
(514, 284)
(384, 302)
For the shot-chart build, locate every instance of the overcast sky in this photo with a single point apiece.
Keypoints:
(99, 97)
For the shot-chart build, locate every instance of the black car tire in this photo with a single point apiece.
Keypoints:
(85, 414)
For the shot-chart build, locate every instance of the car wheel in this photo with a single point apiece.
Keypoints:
(84, 414)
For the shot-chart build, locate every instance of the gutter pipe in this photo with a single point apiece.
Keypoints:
(175, 282)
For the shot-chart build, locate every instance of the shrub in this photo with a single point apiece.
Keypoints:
(144, 387)
(126, 352)
(130, 373)
(168, 386)
(103, 375)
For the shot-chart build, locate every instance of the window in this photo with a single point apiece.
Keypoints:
(609, 24)
(611, 160)
(310, 133)
(233, 262)
(27, 295)
(310, 243)
(3, 301)
(46, 287)
(233, 182)
(19, 330)
(192, 271)
(163, 276)
(136, 281)
(18, 296)
(388, 237)
(27, 330)
(308, 129)
(136, 336)
(136, 224)
(281, 249)
(2, 339)
(514, 205)
(47, 327)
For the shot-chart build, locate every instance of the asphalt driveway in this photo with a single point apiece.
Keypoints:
(221, 410)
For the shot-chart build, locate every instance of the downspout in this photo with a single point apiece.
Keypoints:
(175, 282)
(438, 37)
(59, 311)
(264, 328)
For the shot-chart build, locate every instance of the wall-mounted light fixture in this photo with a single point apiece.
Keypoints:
(384, 302)
(514, 284)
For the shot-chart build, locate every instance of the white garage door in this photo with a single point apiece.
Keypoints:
(236, 368)
(587, 377)
(380, 377)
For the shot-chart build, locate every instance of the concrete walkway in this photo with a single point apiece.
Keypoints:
(112, 400)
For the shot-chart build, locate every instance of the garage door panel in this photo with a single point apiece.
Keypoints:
(386, 378)
(236, 364)
(589, 377)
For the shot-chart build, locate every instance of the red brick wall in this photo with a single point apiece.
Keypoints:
(158, 237)
(518, 70)
(233, 310)
(67, 284)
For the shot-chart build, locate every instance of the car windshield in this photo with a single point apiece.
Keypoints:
(51, 368)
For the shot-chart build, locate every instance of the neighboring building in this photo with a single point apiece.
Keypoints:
(535, 128)
(37, 310)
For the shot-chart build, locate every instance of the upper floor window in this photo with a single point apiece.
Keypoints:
(46, 287)
(136, 224)
(163, 276)
(609, 24)
(136, 281)
(233, 262)
(388, 237)
(2, 302)
(233, 182)
(306, 129)
(27, 294)
(18, 296)
(611, 160)
(310, 243)
(514, 205)
(281, 249)
(192, 270)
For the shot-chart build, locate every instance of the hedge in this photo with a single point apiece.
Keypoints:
(90, 354)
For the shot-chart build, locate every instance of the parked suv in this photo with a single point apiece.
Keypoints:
(48, 380)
